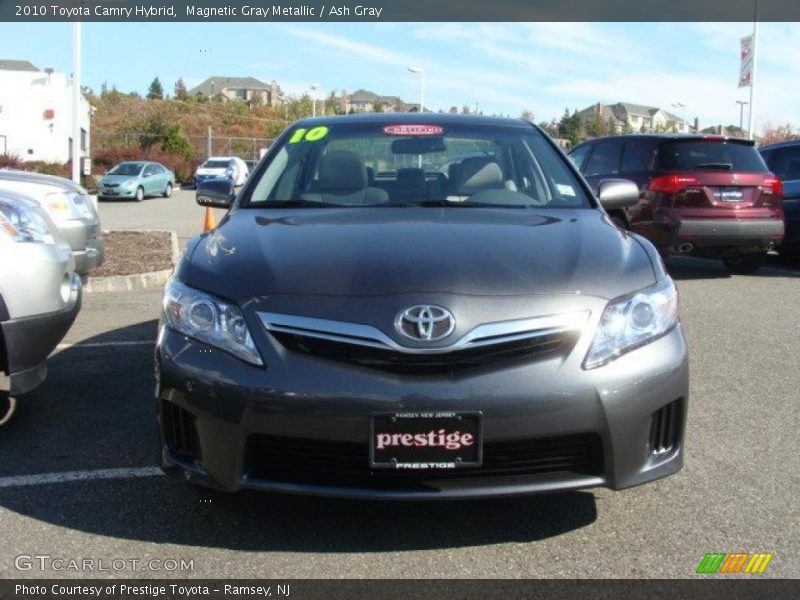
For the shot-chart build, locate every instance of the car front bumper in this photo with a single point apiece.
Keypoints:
(87, 242)
(215, 412)
(29, 341)
(116, 192)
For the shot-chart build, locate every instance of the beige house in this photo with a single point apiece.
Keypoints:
(244, 89)
(635, 117)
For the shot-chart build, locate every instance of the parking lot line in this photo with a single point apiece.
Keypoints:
(70, 476)
(66, 346)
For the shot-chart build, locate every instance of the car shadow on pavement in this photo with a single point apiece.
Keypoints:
(96, 411)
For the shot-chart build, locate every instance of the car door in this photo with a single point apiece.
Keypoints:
(147, 180)
(162, 177)
(785, 163)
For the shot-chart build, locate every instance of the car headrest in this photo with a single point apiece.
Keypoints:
(478, 173)
(412, 182)
(342, 170)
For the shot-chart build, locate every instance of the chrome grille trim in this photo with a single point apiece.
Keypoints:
(487, 334)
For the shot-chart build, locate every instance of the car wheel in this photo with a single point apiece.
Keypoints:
(8, 404)
(168, 190)
(139, 194)
(744, 264)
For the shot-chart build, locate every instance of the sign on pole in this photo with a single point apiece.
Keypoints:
(746, 68)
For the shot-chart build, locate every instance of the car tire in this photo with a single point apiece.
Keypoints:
(168, 190)
(139, 194)
(744, 264)
(8, 404)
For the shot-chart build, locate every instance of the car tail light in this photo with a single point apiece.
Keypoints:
(772, 185)
(673, 184)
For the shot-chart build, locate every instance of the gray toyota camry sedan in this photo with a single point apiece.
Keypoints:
(414, 306)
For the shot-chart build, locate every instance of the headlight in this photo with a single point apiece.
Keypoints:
(69, 205)
(23, 223)
(129, 184)
(209, 320)
(632, 321)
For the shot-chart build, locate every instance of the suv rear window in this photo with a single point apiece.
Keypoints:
(709, 155)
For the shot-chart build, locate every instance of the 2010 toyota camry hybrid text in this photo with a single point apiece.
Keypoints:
(420, 306)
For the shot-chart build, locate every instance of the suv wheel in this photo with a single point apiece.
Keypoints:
(744, 264)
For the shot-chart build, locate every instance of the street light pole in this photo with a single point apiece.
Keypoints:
(421, 72)
(741, 104)
(314, 88)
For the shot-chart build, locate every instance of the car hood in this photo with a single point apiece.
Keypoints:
(386, 251)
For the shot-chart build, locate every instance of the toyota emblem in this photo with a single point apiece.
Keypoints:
(425, 323)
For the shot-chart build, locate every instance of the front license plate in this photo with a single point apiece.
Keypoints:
(426, 440)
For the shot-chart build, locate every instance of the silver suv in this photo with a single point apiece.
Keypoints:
(40, 295)
(70, 208)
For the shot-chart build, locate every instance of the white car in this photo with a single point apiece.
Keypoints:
(222, 167)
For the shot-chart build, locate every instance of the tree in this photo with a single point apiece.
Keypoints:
(377, 107)
(465, 110)
(180, 90)
(155, 91)
(176, 142)
(527, 115)
(453, 110)
(771, 134)
(570, 126)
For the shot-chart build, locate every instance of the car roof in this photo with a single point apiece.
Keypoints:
(666, 137)
(784, 144)
(40, 178)
(414, 119)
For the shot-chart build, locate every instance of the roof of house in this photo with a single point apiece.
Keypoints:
(16, 65)
(216, 84)
(621, 110)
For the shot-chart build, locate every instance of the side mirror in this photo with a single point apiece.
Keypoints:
(217, 193)
(617, 193)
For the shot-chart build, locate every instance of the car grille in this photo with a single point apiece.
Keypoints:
(304, 461)
(366, 346)
(180, 431)
(665, 429)
(539, 348)
(110, 185)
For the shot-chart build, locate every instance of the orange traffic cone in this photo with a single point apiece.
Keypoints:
(209, 223)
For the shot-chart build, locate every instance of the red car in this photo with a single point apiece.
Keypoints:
(706, 195)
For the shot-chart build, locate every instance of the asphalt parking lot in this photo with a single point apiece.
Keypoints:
(77, 477)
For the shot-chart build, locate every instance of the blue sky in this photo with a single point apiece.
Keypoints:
(503, 68)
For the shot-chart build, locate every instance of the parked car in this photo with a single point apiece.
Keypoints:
(137, 180)
(397, 340)
(40, 295)
(710, 195)
(784, 160)
(70, 207)
(222, 167)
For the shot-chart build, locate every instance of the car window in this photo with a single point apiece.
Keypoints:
(129, 169)
(369, 164)
(604, 159)
(787, 163)
(578, 155)
(631, 163)
(709, 155)
(215, 164)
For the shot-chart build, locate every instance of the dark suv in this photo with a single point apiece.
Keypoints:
(709, 195)
(784, 160)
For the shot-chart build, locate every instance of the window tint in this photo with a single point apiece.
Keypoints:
(709, 155)
(631, 163)
(579, 154)
(787, 163)
(604, 159)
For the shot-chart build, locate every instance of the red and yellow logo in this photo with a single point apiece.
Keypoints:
(738, 562)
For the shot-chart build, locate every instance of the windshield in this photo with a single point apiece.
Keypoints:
(709, 155)
(374, 164)
(215, 164)
(127, 169)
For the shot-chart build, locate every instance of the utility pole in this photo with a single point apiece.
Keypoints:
(208, 143)
(750, 123)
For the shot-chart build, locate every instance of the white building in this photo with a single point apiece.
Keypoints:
(36, 113)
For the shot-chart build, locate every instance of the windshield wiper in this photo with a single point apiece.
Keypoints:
(715, 165)
(292, 204)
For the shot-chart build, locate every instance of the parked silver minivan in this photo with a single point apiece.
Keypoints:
(70, 208)
(40, 295)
